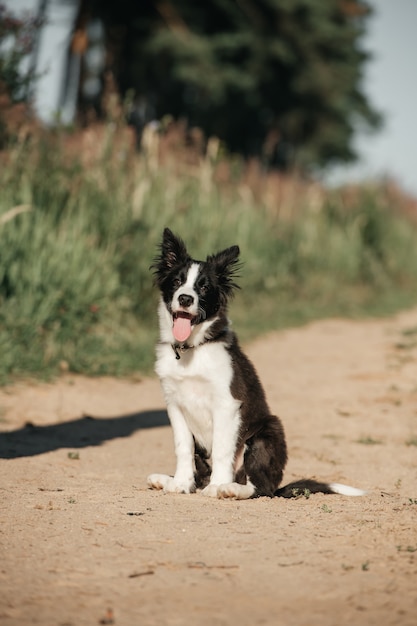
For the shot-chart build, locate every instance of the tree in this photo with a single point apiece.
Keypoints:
(275, 78)
(17, 40)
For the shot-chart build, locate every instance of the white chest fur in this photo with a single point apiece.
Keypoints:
(198, 385)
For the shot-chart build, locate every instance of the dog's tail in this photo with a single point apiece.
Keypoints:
(305, 487)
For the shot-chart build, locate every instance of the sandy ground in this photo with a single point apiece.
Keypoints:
(83, 541)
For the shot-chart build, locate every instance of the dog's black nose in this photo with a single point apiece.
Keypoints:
(185, 300)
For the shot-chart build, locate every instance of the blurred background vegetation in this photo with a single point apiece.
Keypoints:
(214, 119)
(279, 79)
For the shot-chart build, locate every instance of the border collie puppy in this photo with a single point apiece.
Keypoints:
(227, 443)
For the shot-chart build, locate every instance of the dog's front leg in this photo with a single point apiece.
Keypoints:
(183, 480)
(226, 424)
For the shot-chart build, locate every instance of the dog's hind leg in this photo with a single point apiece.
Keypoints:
(202, 467)
(266, 457)
(264, 461)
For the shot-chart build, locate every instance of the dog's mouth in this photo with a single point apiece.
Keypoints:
(182, 325)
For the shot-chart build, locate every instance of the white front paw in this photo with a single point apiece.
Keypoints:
(210, 491)
(170, 484)
(235, 491)
(157, 481)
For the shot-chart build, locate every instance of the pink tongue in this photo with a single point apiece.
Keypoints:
(182, 328)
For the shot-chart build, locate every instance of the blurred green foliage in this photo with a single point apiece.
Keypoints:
(76, 244)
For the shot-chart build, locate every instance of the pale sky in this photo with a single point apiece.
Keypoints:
(391, 84)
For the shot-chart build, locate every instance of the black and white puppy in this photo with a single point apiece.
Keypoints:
(227, 443)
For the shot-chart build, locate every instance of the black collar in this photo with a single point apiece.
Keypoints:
(181, 347)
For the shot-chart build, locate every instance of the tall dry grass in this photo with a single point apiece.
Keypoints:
(81, 215)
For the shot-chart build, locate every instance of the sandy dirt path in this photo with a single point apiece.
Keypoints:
(84, 542)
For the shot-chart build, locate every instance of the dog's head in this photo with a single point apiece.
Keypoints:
(193, 291)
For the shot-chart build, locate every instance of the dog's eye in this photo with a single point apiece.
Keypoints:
(203, 290)
(177, 282)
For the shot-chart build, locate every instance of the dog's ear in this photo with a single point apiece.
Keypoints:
(172, 254)
(173, 250)
(226, 265)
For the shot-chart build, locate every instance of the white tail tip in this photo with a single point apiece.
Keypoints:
(346, 490)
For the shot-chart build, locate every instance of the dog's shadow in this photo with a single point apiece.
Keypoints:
(31, 440)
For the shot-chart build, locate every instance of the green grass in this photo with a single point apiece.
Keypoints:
(326, 509)
(76, 244)
(369, 441)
